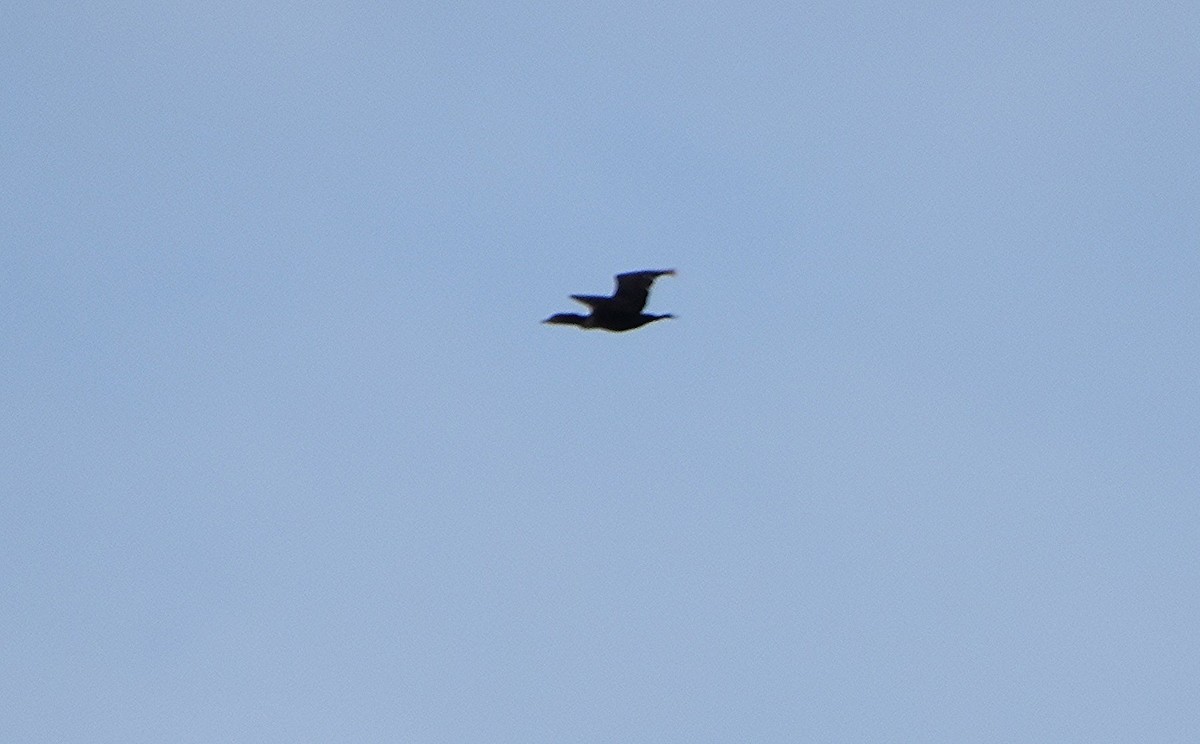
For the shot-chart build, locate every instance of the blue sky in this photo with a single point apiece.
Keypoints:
(288, 456)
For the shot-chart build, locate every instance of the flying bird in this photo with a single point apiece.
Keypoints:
(622, 311)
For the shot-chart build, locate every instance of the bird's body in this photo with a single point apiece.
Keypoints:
(620, 312)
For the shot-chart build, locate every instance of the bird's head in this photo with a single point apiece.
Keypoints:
(568, 319)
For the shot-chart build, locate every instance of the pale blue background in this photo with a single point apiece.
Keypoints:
(287, 457)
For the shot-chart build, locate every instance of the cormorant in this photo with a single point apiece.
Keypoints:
(622, 311)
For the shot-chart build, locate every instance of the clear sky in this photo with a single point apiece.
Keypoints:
(287, 456)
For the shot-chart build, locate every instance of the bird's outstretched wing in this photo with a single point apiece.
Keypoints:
(593, 301)
(633, 288)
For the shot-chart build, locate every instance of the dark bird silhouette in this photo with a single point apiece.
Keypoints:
(622, 311)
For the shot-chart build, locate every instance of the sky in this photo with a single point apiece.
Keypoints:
(288, 456)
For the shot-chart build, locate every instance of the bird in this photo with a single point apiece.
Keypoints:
(622, 311)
